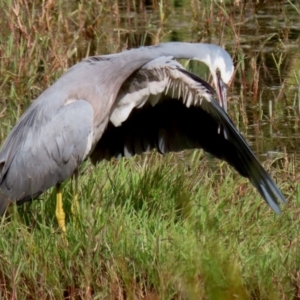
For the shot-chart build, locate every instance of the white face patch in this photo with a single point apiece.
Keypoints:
(225, 65)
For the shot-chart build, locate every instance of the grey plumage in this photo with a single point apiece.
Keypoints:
(49, 152)
(74, 118)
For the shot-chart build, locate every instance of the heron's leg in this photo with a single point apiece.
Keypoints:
(59, 211)
(75, 204)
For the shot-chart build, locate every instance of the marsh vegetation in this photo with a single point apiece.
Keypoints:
(183, 226)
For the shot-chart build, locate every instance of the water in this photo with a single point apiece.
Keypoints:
(264, 43)
(263, 39)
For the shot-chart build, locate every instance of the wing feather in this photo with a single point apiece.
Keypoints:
(195, 120)
(47, 155)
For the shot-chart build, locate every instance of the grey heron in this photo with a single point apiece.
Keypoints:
(121, 105)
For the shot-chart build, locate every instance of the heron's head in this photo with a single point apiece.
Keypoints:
(222, 69)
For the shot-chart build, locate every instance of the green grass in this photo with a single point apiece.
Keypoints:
(176, 227)
(153, 228)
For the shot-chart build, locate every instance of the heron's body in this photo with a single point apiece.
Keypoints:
(105, 103)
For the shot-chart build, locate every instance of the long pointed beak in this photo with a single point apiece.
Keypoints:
(221, 91)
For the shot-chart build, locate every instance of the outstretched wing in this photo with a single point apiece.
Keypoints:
(45, 151)
(196, 121)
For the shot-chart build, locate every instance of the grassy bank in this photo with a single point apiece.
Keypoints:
(154, 228)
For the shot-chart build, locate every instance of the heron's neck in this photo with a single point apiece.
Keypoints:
(197, 51)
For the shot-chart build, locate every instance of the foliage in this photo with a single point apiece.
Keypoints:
(182, 226)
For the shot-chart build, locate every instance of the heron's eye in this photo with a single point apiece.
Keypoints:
(218, 72)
